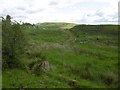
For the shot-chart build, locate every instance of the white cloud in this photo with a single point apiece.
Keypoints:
(77, 11)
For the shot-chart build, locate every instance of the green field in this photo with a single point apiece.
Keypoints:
(86, 54)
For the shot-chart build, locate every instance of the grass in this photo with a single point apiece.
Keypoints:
(73, 54)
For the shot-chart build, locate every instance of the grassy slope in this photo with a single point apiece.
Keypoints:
(88, 56)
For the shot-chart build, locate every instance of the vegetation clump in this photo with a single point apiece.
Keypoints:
(13, 42)
(109, 78)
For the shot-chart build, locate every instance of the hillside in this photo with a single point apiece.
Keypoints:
(55, 26)
(86, 54)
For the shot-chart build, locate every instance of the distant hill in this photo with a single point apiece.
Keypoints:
(55, 25)
(95, 29)
(99, 34)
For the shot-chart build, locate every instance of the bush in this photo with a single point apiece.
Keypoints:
(13, 43)
(37, 69)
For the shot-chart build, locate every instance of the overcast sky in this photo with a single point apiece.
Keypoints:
(73, 11)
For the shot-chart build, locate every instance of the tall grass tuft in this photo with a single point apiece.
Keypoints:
(109, 78)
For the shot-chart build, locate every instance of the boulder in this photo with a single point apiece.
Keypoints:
(40, 67)
(45, 66)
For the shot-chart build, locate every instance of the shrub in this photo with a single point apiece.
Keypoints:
(13, 43)
(37, 69)
(31, 64)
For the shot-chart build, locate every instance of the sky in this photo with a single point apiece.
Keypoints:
(72, 11)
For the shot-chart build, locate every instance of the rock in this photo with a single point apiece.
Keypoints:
(39, 67)
(45, 66)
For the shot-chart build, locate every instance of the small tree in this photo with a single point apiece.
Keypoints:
(12, 43)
